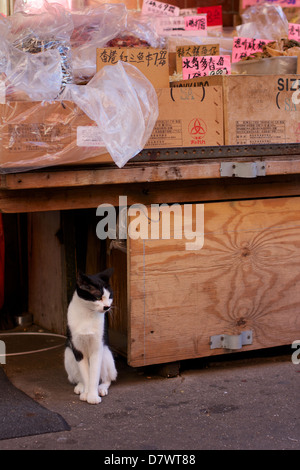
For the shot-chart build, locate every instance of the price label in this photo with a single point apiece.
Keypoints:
(243, 47)
(294, 31)
(176, 26)
(202, 66)
(195, 23)
(153, 7)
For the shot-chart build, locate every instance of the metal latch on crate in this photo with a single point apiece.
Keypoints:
(231, 341)
(243, 169)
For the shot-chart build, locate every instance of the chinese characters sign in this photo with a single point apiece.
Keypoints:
(153, 7)
(214, 15)
(294, 31)
(153, 63)
(243, 47)
(181, 25)
(195, 23)
(202, 66)
(194, 51)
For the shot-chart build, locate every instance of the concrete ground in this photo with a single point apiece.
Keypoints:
(236, 402)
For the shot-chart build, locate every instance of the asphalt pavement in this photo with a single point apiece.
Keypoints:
(237, 402)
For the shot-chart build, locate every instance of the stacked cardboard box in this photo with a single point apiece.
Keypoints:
(261, 109)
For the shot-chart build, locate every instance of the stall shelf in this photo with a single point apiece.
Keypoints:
(238, 291)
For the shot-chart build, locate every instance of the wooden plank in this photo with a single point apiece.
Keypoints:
(128, 174)
(138, 173)
(118, 317)
(47, 297)
(35, 200)
(246, 277)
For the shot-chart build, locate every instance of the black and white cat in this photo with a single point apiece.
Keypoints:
(88, 360)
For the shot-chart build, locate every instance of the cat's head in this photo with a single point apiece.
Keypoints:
(95, 288)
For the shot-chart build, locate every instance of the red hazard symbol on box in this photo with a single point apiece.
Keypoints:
(197, 127)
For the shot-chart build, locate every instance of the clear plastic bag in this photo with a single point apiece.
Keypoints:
(264, 21)
(119, 106)
(123, 103)
(108, 25)
(92, 28)
(30, 76)
(42, 27)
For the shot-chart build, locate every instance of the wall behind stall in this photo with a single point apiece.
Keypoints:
(230, 8)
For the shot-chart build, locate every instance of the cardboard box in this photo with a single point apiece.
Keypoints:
(37, 134)
(260, 109)
(213, 80)
(153, 63)
(188, 117)
(42, 134)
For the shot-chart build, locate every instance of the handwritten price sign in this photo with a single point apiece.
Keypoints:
(205, 65)
(195, 23)
(243, 47)
(153, 7)
(181, 25)
(294, 31)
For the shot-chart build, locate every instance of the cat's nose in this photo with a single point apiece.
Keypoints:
(106, 308)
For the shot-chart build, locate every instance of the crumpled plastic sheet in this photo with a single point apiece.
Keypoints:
(264, 21)
(38, 76)
(124, 105)
(41, 27)
(95, 27)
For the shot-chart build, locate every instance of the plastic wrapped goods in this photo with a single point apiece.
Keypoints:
(118, 109)
(264, 21)
(108, 25)
(29, 76)
(46, 27)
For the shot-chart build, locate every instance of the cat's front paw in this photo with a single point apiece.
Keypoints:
(93, 399)
(103, 390)
(83, 396)
(79, 389)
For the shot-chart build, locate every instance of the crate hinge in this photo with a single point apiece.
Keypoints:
(243, 169)
(231, 341)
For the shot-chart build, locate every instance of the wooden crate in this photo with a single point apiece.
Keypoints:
(170, 301)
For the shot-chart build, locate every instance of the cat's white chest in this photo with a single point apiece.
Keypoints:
(88, 336)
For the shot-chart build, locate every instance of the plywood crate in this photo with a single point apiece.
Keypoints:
(170, 301)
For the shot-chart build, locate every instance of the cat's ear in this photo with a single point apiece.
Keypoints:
(81, 279)
(106, 274)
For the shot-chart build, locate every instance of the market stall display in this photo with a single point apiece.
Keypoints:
(223, 138)
(50, 54)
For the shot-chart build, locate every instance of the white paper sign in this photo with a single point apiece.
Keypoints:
(153, 7)
(89, 136)
(176, 26)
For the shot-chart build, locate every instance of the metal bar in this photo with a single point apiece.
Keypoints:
(231, 151)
